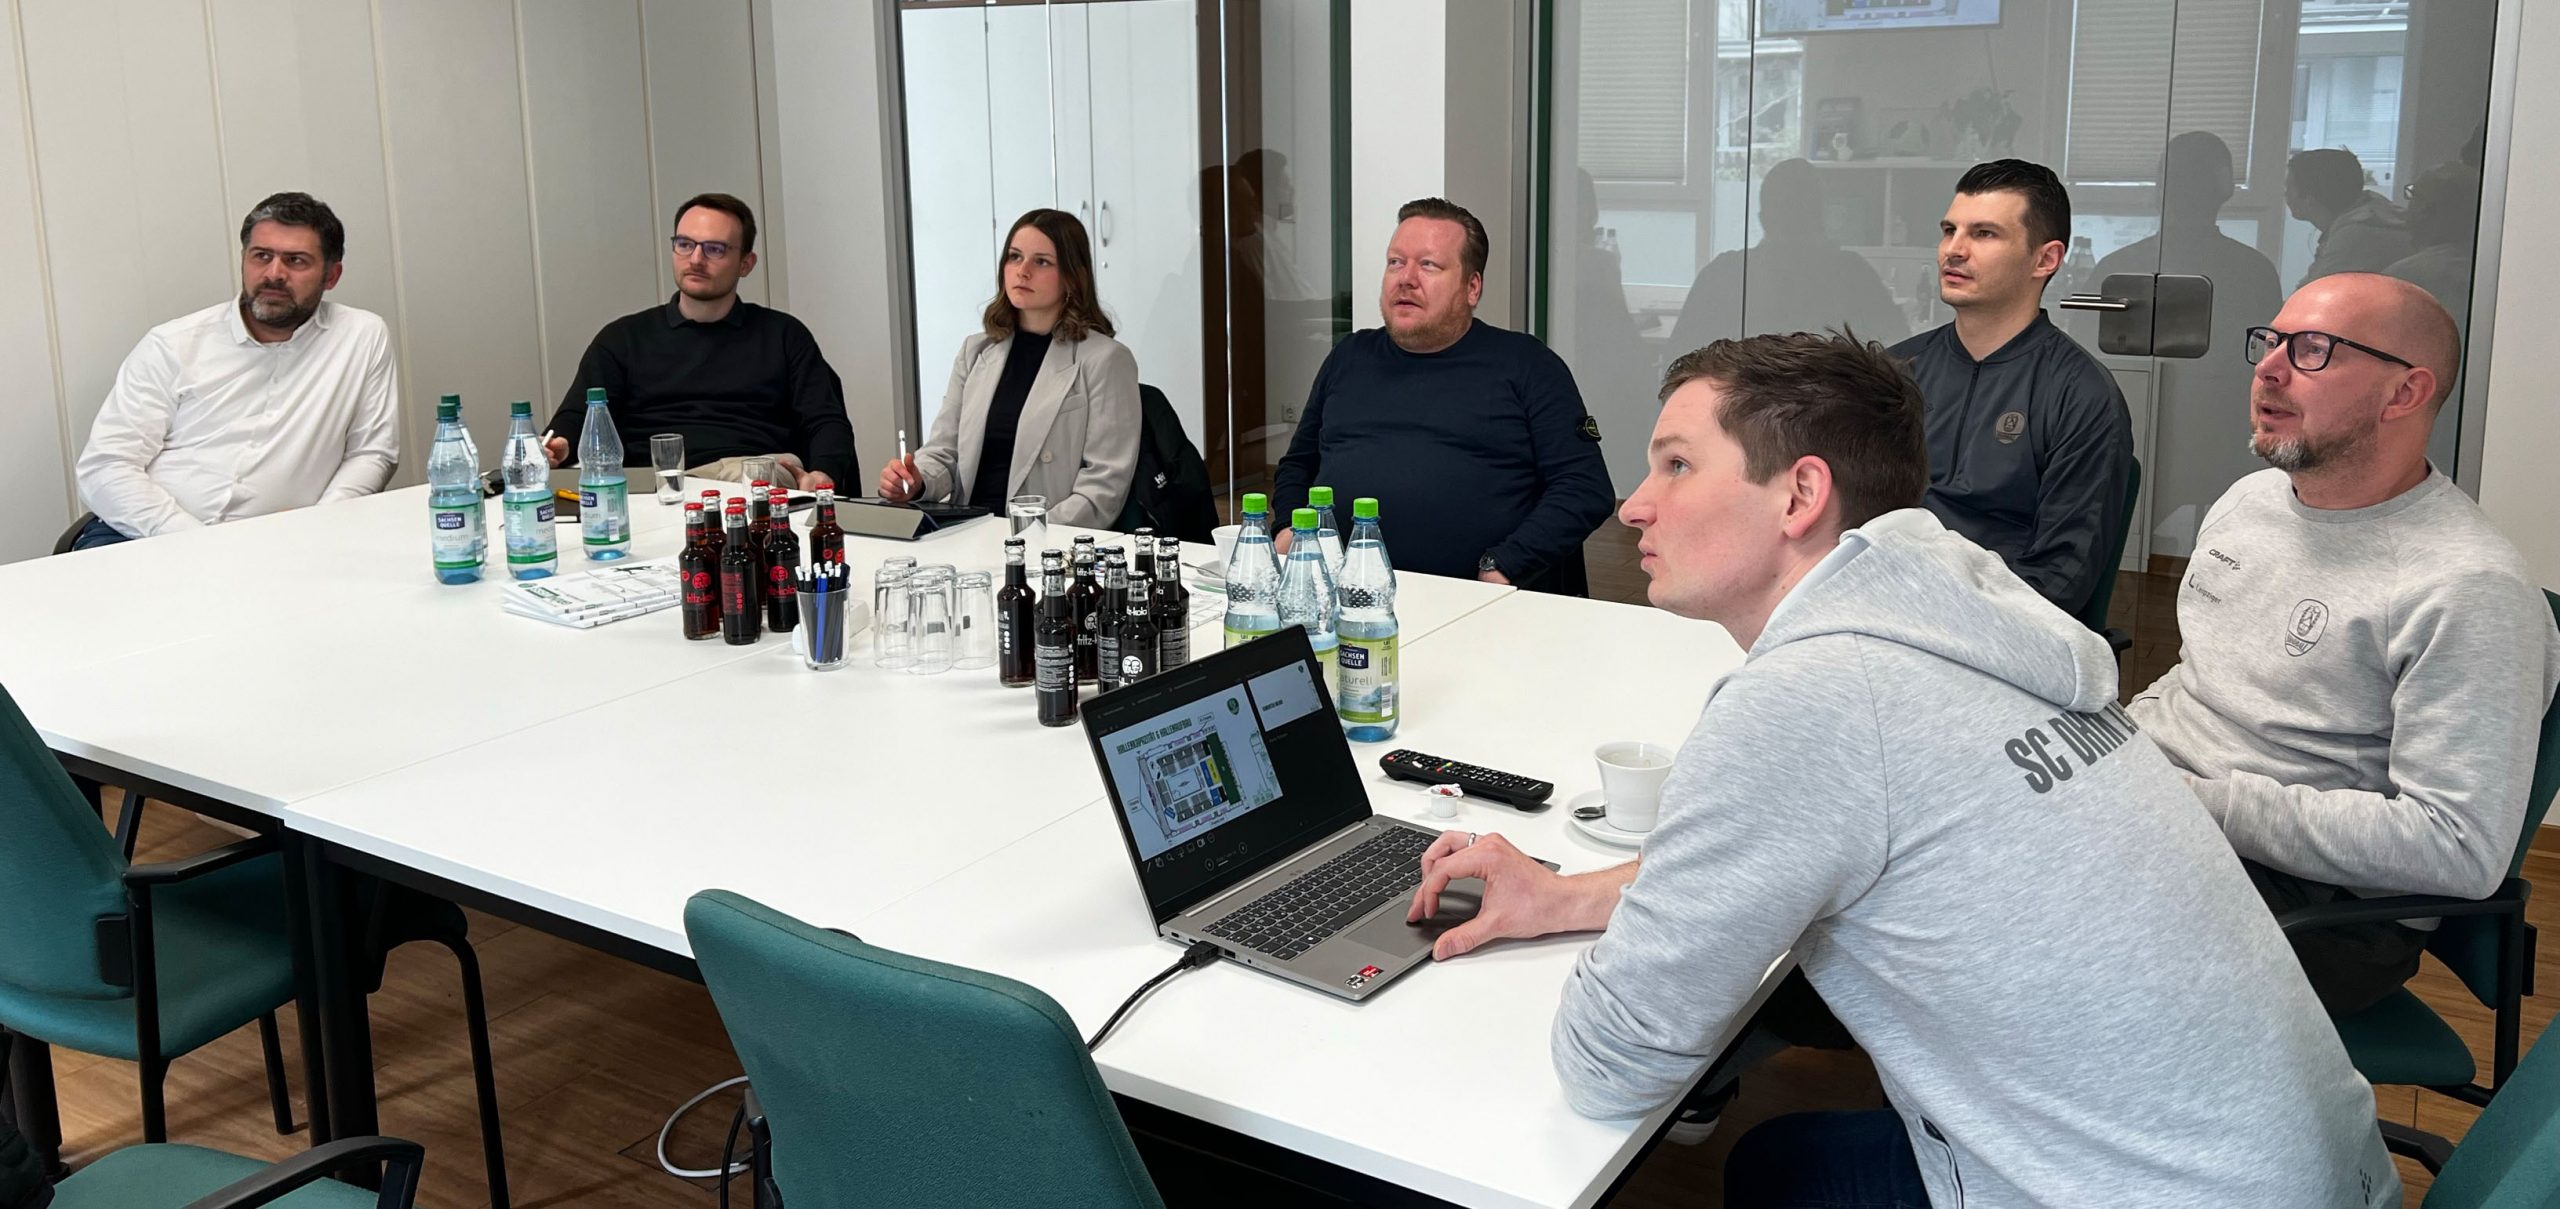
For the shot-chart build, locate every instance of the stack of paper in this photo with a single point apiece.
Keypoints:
(592, 598)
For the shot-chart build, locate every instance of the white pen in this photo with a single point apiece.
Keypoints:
(902, 459)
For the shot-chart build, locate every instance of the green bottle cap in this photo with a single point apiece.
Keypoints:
(1319, 497)
(448, 410)
(1364, 509)
(1303, 518)
(595, 394)
(456, 400)
(1255, 501)
(520, 408)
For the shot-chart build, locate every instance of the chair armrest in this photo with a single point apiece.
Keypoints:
(2508, 899)
(162, 873)
(399, 1181)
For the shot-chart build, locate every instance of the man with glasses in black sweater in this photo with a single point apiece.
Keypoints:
(734, 379)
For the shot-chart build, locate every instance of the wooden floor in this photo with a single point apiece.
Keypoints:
(593, 1053)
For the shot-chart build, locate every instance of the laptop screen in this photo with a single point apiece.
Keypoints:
(1225, 767)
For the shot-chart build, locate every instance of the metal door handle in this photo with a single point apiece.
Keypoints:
(2095, 302)
(1103, 228)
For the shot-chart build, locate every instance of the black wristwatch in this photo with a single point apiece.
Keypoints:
(1484, 563)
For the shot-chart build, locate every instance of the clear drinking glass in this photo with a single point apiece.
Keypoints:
(975, 612)
(763, 470)
(1029, 515)
(893, 633)
(930, 589)
(666, 452)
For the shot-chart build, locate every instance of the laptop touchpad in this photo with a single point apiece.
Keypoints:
(1387, 931)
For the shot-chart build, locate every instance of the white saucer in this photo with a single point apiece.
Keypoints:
(1210, 576)
(1600, 829)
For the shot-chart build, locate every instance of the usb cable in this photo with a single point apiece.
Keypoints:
(1199, 954)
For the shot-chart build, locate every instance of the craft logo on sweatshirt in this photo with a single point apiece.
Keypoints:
(2087, 737)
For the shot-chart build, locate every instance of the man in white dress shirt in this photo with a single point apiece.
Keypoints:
(278, 399)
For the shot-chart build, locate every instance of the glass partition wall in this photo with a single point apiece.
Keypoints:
(1196, 140)
(1724, 167)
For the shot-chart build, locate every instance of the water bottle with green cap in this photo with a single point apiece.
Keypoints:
(1328, 533)
(1306, 591)
(459, 536)
(604, 488)
(533, 550)
(1367, 680)
(1253, 576)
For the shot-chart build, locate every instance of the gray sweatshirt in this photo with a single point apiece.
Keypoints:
(2359, 691)
(1918, 781)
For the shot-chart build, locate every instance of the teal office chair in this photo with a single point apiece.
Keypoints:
(139, 962)
(2511, 1157)
(2487, 944)
(892, 1080)
(166, 1177)
(148, 962)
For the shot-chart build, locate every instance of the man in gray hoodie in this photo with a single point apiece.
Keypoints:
(1918, 782)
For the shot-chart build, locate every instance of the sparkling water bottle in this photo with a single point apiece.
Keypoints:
(1253, 576)
(1306, 592)
(1328, 533)
(460, 536)
(1366, 691)
(604, 487)
(533, 550)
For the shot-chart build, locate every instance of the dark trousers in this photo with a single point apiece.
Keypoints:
(1826, 1160)
(95, 534)
(2351, 968)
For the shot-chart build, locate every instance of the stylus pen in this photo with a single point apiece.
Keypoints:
(902, 460)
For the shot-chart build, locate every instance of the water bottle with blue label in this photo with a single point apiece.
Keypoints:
(604, 488)
(533, 550)
(1366, 682)
(453, 498)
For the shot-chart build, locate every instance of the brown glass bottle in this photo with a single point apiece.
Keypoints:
(1106, 619)
(1172, 607)
(1137, 634)
(781, 558)
(1142, 561)
(1053, 637)
(1084, 599)
(1015, 664)
(826, 537)
(741, 603)
(698, 576)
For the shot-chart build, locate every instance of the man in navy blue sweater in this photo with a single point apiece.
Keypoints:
(1472, 438)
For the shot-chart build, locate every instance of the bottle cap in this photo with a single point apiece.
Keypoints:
(448, 410)
(595, 394)
(1364, 509)
(520, 408)
(692, 508)
(1319, 497)
(1255, 501)
(1303, 518)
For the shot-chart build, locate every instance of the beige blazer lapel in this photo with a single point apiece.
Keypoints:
(977, 394)
(1040, 410)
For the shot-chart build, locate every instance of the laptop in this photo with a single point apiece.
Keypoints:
(1249, 823)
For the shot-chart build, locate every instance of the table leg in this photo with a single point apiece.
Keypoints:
(300, 921)
(346, 1024)
(32, 1108)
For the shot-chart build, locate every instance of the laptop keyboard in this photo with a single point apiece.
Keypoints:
(1303, 912)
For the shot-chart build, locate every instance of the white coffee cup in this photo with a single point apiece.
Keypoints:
(1631, 777)
(1224, 537)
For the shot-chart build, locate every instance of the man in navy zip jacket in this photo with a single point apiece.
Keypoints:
(1472, 438)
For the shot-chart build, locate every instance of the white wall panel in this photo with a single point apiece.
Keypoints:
(455, 130)
(34, 448)
(595, 232)
(120, 97)
(300, 109)
(702, 117)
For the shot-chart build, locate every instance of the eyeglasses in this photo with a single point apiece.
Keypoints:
(711, 249)
(2309, 351)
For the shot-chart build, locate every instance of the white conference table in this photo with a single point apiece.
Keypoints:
(306, 667)
(1443, 1082)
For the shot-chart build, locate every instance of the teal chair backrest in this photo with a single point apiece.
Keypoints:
(2510, 1157)
(892, 1080)
(2468, 945)
(59, 870)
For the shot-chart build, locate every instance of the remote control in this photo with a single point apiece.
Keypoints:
(1510, 789)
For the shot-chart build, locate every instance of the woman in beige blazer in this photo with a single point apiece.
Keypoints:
(1043, 402)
